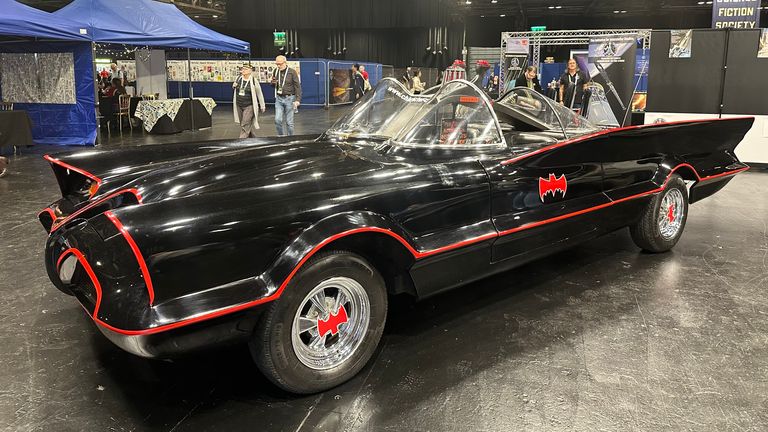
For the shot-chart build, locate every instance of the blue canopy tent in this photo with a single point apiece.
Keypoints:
(146, 23)
(53, 123)
(18, 19)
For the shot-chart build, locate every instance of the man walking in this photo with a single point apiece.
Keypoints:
(287, 96)
(247, 92)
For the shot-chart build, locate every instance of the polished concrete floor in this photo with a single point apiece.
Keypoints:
(598, 338)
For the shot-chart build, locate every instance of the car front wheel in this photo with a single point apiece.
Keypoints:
(326, 325)
(663, 219)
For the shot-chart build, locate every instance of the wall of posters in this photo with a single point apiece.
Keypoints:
(341, 86)
(612, 65)
(680, 43)
(130, 68)
(44, 78)
(223, 70)
(739, 14)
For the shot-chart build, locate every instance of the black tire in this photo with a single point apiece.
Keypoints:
(272, 347)
(646, 233)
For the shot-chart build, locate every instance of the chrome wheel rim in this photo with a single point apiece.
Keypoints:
(670, 218)
(331, 323)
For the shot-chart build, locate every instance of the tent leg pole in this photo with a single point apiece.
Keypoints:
(96, 94)
(191, 100)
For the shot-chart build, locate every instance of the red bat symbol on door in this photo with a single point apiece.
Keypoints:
(552, 185)
(333, 322)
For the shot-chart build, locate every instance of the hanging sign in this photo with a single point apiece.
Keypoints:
(743, 14)
(517, 46)
(279, 38)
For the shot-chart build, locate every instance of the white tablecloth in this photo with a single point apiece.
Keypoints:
(150, 111)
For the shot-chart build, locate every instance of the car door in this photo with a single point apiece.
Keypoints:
(543, 193)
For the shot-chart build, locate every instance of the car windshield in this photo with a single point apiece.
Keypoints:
(550, 115)
(381, 113)
(458, 114)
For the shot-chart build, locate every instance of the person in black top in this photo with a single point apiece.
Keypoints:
(529, 79)
(358, 82)
(572, 84)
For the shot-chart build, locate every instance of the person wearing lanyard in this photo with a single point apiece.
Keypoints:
(287, 96)
(247, 92)
(572, 84)
(529, 79)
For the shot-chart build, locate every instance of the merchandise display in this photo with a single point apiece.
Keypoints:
(400, 176)
(222, 70)
(38, 78)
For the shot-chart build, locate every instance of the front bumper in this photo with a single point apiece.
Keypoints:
(110, 283)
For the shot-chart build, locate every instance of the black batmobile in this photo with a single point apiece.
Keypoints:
(294, 244)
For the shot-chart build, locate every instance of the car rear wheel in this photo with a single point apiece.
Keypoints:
(325, 326)
(663, 219)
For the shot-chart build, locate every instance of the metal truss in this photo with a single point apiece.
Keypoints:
(563, 37)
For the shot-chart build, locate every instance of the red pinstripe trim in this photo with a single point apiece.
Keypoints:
(133, 191)
(416, 254)
(618, 201)
(50, 212)
(610, 131)
(87, 267)
(136, 253)
(75, 169)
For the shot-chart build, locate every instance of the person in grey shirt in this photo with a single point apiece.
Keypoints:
(287, 96)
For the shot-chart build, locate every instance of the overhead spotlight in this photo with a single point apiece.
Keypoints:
(468, 2)
(215, 16)
(482, 16)
(709, 2)
(616, 11)
(502, 15)
(558, 7)
(623, 11)
(494, 1)
(197, 16)
(550, 7)
(700, 3)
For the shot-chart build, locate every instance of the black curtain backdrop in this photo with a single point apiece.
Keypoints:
(338, 14)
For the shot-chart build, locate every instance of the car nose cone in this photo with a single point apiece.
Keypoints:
(67, 269)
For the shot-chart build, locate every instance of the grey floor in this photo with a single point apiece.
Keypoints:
(598, 338)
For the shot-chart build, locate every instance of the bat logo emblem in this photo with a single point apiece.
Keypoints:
(333, 322)
(552, 185)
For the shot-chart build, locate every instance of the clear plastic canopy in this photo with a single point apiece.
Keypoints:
(458, 115)
(544, 111)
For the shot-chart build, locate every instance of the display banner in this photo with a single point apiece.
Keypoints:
(611, 63)
(517, 46)
(762, 49)
(515, 65)
(341, 86)
(744, 14)
(680, 43)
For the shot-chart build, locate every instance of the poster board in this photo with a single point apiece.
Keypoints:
(223, 70)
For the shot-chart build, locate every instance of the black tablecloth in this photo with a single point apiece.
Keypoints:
(134, 103)
(15, 129)
(183, 119)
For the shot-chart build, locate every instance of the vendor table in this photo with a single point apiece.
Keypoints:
(174, 115)
(15, 129)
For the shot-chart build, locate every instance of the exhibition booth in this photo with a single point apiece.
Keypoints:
(642, 75)
(55, 82)
(324, 82)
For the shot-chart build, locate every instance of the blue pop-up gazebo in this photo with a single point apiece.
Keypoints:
(26, 30)
(146, 23)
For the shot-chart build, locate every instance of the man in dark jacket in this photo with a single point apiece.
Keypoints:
(358, 82)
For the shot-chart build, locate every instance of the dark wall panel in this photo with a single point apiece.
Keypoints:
(746, 74)
(366, 14)
(686, 85)
(398, 47)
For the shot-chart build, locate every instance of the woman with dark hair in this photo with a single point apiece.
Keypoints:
(529, 79)
(116, 88)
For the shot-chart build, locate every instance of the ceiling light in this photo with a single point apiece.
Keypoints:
(494, 1)
(700, 3)
(197, 16)
(709, 2)
(502, 15)
(468, 2)
(616, 11)
(558, 7)
(623, 11)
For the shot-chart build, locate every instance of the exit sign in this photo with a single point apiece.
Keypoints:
(279, 39)
(538, 28)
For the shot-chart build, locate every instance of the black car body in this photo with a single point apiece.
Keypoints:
(177, 247)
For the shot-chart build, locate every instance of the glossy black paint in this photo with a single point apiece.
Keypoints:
(223, 226)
